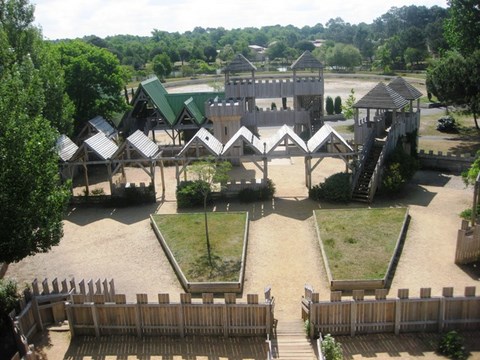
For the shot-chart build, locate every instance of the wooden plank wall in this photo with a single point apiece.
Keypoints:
(44, 304)
(206, 317)
(360, 315)
(468, 244)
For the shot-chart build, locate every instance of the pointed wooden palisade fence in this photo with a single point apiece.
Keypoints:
(93, 308)
(402, 314)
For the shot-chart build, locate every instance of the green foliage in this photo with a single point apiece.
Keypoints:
(32, 200)
(338, 105)
(348, 110)
(471, 174)
(331, 349)
(94, 81)
(329, 105)
(451, 345)
(273, 106)
(9, 298)
(262, 194)
(162, 66)
(447, 124)
(462, 28)
(399, 169)
(343, 57)
(467, 213)
(191, 193)
(306, 327)
(336, 188)
(455, 80)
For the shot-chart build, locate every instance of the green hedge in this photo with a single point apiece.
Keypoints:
(190, 193)
(336, 188)
(260, 194)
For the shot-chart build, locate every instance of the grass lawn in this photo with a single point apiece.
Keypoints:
(359, 243)
(185, 236)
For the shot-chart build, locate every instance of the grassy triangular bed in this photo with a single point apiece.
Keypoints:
(185, 236)
(359, 243)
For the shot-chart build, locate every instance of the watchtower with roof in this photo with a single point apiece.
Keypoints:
(243, 90)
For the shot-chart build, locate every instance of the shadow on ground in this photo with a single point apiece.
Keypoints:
(84, 215)
(121, 347)
(398, 346)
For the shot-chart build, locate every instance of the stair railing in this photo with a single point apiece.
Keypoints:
(367, 146)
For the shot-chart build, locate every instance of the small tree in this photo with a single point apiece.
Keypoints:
(338, 105)
(331, 349)
(329, 105)
(348, 110)
(209, 172)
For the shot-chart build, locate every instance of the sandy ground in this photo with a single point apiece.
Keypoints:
(282, 252)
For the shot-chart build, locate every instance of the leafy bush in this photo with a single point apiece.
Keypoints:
(447, 124)
(260, 194)
(469, 176)
(273, 106)
(331, 349)
(190, 193)
(336, 188)
(467, 213)
(338, 105)
(329, 105)
(9, 299)
(451, 345)
(399, 169)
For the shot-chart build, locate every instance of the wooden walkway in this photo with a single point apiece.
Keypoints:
(291, 342)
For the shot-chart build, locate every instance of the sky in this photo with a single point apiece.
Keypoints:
(60, 19)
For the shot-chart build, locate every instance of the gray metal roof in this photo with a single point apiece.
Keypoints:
(102, 125)
(102, 146)
(247, 136)
(143, 145)
(285, 133)
(322, 136)
(66, 148)
(307, 61)
(204, 137)
(381, 97)
(239, 64)
(402, 87)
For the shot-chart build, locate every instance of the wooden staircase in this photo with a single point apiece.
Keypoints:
(362, 189)
(291, 342)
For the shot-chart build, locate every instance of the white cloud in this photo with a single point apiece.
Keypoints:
(73, 18)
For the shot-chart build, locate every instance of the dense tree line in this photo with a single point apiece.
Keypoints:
(402, 38)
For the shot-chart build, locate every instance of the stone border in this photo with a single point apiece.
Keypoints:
(206, 287)
(356, 284)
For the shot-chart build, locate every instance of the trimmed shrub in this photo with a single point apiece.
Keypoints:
(447, 124)
(336, 188)
(190, 193)
(338, 105)
(329, 105)
(399, 169)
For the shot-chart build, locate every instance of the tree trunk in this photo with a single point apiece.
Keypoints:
(207, 237)
(476, 120)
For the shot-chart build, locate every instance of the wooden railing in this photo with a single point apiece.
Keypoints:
(228, 318)
(402, 314)
(468, 244)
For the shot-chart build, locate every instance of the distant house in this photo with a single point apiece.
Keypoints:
(258, 51)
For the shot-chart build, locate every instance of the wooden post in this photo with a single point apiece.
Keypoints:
(141, 299)
(402, 294)
(36, 313)
(313, 313)
(446, 292)
(162, 174)
(184, 299)
(68, 309)
(95, 319)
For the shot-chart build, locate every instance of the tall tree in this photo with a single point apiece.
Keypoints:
(94, 81)
(32, 199)
(455, 80)
(462, 28)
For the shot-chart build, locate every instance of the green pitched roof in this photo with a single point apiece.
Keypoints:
(171, 106)
(157, 93)
(193, 102)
